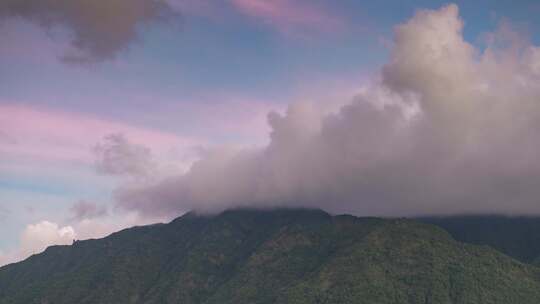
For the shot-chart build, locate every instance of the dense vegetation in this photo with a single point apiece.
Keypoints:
(279, 256)
(518, 237)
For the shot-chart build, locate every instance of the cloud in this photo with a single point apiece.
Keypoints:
(60, 139)
(5, 138)
(202, 8)
(295, 18)
(291, 17)
(100, 29)
(115, 155)
(90, 221)
(446, 128)
(35, 238)
(87, 210)
(102, 226)
(4, 213)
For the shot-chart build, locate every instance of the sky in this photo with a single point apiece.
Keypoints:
(128, 112)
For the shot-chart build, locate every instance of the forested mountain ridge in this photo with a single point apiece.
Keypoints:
(516, 236)
(273, 256)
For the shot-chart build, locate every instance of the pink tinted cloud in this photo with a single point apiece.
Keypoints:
(54, 136)
(291, 16)
(202, 8)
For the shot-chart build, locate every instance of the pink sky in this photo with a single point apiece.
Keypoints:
(50, 135)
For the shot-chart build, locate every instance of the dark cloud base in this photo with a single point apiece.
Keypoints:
(100, 29)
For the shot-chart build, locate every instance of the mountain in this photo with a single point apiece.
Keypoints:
(273, 256)
(518, 237)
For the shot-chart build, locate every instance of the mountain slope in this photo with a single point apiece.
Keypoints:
(280, 256)
(518, 237)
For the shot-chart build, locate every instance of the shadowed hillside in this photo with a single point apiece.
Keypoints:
(518, 237)
(278, 256)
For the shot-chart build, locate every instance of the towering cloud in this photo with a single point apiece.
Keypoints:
(446, 129)
(99, 29)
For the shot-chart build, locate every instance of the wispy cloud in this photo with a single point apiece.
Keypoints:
(87, 210)
(117, 156)
(201, 8)
(4, 212)
(291, 17)
(57, 136)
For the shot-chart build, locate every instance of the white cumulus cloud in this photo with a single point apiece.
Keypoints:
(445, 128)
(37, 237)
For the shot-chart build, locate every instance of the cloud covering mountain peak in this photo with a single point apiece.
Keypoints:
(446, 128)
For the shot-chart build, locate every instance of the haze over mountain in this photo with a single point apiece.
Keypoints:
(272, 256)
